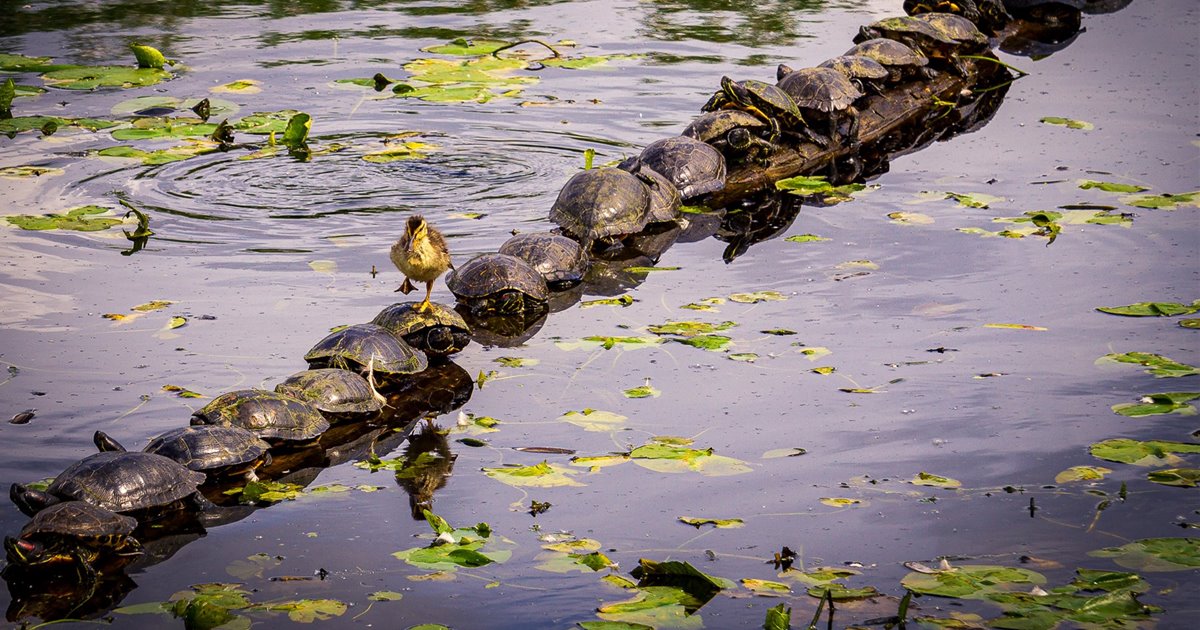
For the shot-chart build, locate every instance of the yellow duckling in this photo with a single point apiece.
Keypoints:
(420, 254)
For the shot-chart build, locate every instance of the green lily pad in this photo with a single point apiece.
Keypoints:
(656, 607)
(395, 152)
(974, 200)
(757, 296)
(310, 610)
(813, 353)
(1111, 186)
(542, 475)
(712, 343)
(910, 218)
(719, 523)
(1189, 323)
(1149, 453)
(385, 596)
(804, 185)
(743, 357)
(622, 301)
(689, 328)
(595, 463)
(819, 575)
(92, 77)
(1160, 366)
(1152, 309)
(1082, 473)
(609, 342)
(50, 124)
(1163, 201)
(192, 149)
(841, 593)
(241, 86)
(516, 362)
(22, 63)
(936, 481)
(462, 47)
(1155, 554)
(972, 581)
(595, 420)
(1069, 123)
(150, 128)
(662, 456)
(1178, 477)
(1015, 233)
(265, 123)
(643, 391)
(839, 502)
(766, 587)
(81, 219)
(1158, 404)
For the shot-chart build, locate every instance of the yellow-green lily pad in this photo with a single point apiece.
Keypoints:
(542, 475)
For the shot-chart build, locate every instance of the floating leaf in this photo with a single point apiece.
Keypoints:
(974, 200)
(462, 47)
(689, 328)
(543, 475)
(516, 362)
(819, 575)
(596, 462)
(1068, 123)
(1148, 453)
(161, 156)
(1111, 186)
(21, 63)
(1163, 201)
(1155, 554)
(1152, 309)
(972, 581)
(782, 332)
(639, 269)
(910, 218)
(813, 353)
(662, 456)
(712, 343)
(157, 128)
(624, 300)
(858, 264)
(182, 392)
(757, 296)
(1081, 473)
(839, 502)
(644, 391)
(241, 86)
(176, 322)
(267, 492)
(92, 77)
(719, 523)
(653, 607)
(1189, 323)
(608, 343)
(1160, 366)
(595, 420)
(838, 592)
(936, 481)
(777, 453)
(385, 596)
(1017, 233)
(804, 185)
(484, 377)
(805, 238)
(29, 171)
(744, 357)
(81, 219)
(1180, 477)
(50, 124)
(825, 370)
(1015, 327)
(766, 587)
(410, 150)
(1157, 404)
(154, 305)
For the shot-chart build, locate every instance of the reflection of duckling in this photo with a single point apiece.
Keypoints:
(427, 463)
(420, 254)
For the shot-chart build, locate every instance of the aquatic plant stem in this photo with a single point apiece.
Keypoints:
(996, 61)
(495, 53)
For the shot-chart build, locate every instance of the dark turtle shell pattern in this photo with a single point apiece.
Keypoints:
(560, 260)
(601, 202)
(439, 331)
(124, 482)
(333, 391)
(822, 89)
(695, 167)
(211, 447)
(500, 283)
(856, 67)
(80, 519)
(267, 414)
(365, 348)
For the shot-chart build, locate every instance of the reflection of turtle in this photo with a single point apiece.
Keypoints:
(560, 260)
(120, 482)
(503, 331)
(368, 349)
(989, 15)
(759, 220)
(601, 203)
(499, 283)
(735, 133)
(55, 596)
(428, 463)
(73, 532)
(269, 415)
(340, 394)
(903, 63)
(827, 97)
(695, 167)
(438, 331)
(218, 451)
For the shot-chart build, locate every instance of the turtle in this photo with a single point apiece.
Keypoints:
(73, 532)
(277, 418)
(761, 99)
(694, 167)
(865, 72)
(439, 331)
(958, 28)
(560, 260)
(499, 283)
(600, 203)
(902, 62)
(989, 15)
(934, 40)
(735, 133)
(216, 451)
(120, 482)
(664, 196)
(337, 393)
(368, 349)
(824, 94)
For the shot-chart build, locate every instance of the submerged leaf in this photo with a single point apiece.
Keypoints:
(1163, 201)
(594, 420)
(1068, 123)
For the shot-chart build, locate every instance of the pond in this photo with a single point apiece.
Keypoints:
(909, 387)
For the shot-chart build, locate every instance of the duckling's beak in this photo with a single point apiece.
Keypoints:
(414, 237)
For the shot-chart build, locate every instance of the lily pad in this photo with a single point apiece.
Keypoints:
(609, 342)
(712, 343)
(689, 328)
(974, 200)
(595, 420)
(1111, 186)
(92, 77)
(81, 219)
(766, 587)
(1152, 309)
(150, 128)
(719, 523)
(1148, 453)
(1179, 477)
(1160, 366)
(805, 238)
(1069, 123)
(462, 47)
(1082, 473)
(192, 149)
(643, 391)
(241, 86)
(1158, 404)
(310, 610)
(1155, 554)
(655, 607)
(542, 475)
(622, 301)
(757, 296)
(662, 456)
(936, 481)
(972, 581)
(1163, 201)
(395, 152)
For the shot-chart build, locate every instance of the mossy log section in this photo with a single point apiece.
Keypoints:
(879, 115)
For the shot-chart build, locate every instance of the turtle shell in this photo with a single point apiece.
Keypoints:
(989, 15)
(560, 260)
(72, 531)
(905, 28)
(439, 331)
(211, 447)
(267, 414)
(500, 283)
(124, 482)
(601, 202)
(664, 196)
(822, 89)
(333, 391)
(889, 53)
(695, 167)
(712, 127)
(767, 98)
(956, 27)
(364, 348)
(80, 519)
(856, 67)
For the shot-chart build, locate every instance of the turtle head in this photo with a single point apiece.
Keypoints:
(734, 91)
(28, 500)
(782, 71)
(106, 444)
(21, 551)
(865, 33)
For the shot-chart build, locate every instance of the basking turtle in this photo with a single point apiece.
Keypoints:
(218, 451)
(270, 416)
(934, 39)
(600, 203)
(664, 196)
(499, 283)
(824, 95)
(120, 482)
(367, 349)
(958, 28)
(694, 167)
(989, 15)
(439, 331)
(560, 260)
(761, 99)
(735, 133)
(340, 394)
(73, 532)
(865, 72)
(902, 62)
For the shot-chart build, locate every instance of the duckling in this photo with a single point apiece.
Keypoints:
(420, 254)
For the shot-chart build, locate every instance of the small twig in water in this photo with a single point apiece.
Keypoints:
(496, 53)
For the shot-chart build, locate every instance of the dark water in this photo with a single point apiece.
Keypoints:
(235, 240)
